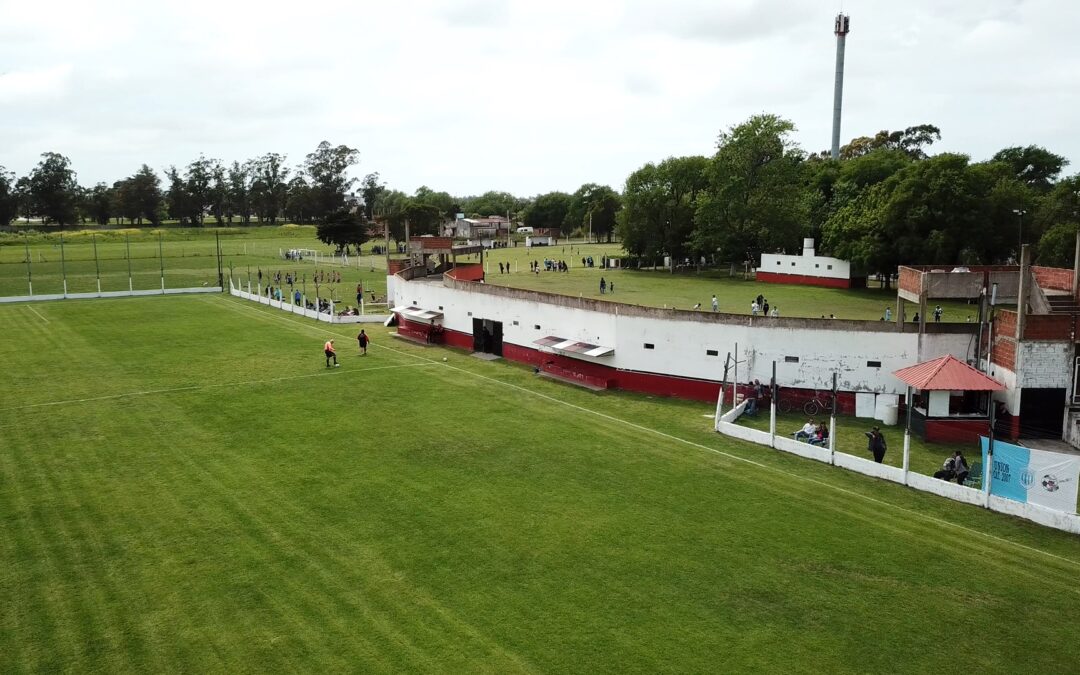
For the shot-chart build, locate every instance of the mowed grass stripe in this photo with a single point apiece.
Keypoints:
(595, 411)
(496, 530)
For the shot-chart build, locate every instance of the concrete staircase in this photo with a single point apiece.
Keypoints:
(1063, 304)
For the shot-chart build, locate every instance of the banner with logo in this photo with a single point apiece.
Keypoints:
(1029, 476)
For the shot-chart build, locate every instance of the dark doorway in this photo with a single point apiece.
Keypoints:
(478, 335)
(1042, 412)
(487, 336)
(494, 329)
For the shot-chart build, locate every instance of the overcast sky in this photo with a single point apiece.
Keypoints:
(472, 95)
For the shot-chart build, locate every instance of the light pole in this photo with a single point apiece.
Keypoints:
(1020, 213)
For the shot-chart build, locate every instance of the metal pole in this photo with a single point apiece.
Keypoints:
(907, 438)
(220, 274)
(772, 407)
(832, 424)
(988, 463)
(29, 278)
(720, 398)
(161, 262)
(842, 28)
(97, 266)
(127, 243)
(63, 263)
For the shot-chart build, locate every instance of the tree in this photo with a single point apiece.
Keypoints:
(99, 203)
(199, 180)
(447, 205)
(143, 196)
(548, 211)
(1057, 218)
(754, 199)
(660, 204)
(494, 203)
(299, 204)
(239, 176)
(9, 198)
(53, 189)
(326, 169)
(269, 186)
(598, 201)
(371, 190)
(910, 141)
(342, 228)
(1035, 166)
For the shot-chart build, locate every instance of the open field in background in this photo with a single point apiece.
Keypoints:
(190, 261)
(685, 289)
(185, 486)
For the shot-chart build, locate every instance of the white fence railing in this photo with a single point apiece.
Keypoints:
(302, 310)
(109, 294)
(1068, 522)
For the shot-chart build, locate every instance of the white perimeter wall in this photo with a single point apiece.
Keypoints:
(680, 346)
(810, 265)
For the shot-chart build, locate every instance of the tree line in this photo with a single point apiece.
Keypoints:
(885, 202)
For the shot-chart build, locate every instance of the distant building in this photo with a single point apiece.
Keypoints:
(477, 228)
(808, 269)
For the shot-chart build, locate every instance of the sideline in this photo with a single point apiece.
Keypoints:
(197, 387)
(36, 313)
(767, 467)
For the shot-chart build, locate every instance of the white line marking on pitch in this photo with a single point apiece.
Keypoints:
(31, 308)
(799, 477)
(195, 387)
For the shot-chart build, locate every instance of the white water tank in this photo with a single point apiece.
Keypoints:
(808, 246)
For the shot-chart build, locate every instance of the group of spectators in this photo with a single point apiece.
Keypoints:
(813, 433)
(758, 306)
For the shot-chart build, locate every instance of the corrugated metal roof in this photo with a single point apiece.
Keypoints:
(947, 374)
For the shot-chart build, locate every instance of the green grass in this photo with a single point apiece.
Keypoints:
(683, 290)
(925, 457)
(189, 260)
(188, 257)
(220, 501)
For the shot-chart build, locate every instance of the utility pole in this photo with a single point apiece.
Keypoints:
(842, 28)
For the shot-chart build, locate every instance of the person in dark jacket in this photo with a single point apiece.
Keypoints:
(876, 444)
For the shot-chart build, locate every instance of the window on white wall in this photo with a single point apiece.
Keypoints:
(829, 267)
(793, 263)
(778, 262)
(791, 359)
(536, 326)
(649, 345)
(873, 364)
(712, 352)
(515, 323)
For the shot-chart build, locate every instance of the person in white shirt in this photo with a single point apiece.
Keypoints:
(715, 304)
(754, 308)
(775, 311)
(807, 432)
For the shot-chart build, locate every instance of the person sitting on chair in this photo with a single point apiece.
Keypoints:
(822, 436)
(960, 467)
(948, 469)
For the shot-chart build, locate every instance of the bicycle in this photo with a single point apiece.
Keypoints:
(819, 404)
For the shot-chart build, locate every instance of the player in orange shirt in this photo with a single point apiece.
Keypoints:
(328, 349)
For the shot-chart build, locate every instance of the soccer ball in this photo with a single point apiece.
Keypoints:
(444, 358)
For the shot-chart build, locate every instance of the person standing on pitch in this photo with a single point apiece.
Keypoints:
(328, 349)
(362, 340)
(876, 444)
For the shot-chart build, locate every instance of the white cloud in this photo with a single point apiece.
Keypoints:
(484, 94)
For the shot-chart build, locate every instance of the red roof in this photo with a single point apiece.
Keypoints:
(947, 373)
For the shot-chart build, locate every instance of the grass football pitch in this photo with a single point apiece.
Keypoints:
(184, 486)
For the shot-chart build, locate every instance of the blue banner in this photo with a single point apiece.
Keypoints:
(1008, 470)
(1031, 476)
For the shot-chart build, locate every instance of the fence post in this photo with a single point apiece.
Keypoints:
(127, 244)
(63, 263)
(161, 262)
(907, 437)
(29, 279)
(832, 423)
(97, 265)
(772, 408)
